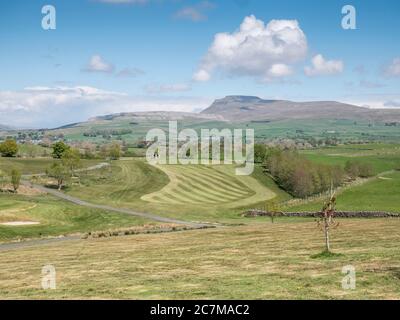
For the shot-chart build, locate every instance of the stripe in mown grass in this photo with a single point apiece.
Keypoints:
(223, 178)
(209, 187)
(217, 185)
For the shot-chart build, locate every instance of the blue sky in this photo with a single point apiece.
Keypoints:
(134, 55)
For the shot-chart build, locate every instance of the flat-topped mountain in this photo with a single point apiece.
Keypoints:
(248, 108)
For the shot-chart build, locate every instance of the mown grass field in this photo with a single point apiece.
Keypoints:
(56, 217)
(208, 185)
(197, 193)
(256, 261)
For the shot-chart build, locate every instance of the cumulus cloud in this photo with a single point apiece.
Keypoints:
(279, 70)
(374, 101)
(393, 69)
(195, 13)
(50, 107)
(201, 76)
(257, 49)
(320, 67)
(98, 64)
(167, 88)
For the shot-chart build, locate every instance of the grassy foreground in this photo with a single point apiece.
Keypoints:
(257, 261)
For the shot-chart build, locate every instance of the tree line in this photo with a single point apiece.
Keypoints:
(302, 177)
(70, 161)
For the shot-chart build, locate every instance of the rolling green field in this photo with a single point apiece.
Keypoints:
(257, 261)
(196, 193)
(215, 193)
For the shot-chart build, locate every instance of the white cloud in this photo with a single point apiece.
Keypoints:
(55, 106)
(374, 101)
(98, 64)
(320, 67)
(256, 49)
(201, 75)
(167, 88)
(195, 13)
(393, 69)
(279, 70)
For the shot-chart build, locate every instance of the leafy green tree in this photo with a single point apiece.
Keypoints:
(9, 148)
(352, 169)
(15, 179)
(358, 169)
(59, 172)
(114, 151)
(300, 176)
(71, 159)
(366, 170)
(59, 148)
(260, 153)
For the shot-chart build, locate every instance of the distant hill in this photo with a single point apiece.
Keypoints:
(249, 108)
(156, 115)
(233, 109)
(4, 127)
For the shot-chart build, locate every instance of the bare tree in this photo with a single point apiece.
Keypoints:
(327, 221)
(273, 209)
